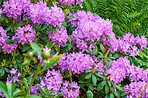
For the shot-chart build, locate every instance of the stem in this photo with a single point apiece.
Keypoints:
(36, 73)
(70, 75)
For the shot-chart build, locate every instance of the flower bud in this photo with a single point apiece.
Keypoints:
(45, 55)
(30, 55)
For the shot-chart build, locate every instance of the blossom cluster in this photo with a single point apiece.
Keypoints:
(40, 13)
(136, 90)
(53, 80)
(1, 12)
(93, 28)
(5, 46)
(77, 63)
(90, 28)
(60, 37)
(130, 44)
(70, 90)
(15, 8)
(1, 94)
(121, 68)
(24, 35)
(71, 2)
(14, 76)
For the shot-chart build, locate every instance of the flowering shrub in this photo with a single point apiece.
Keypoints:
(49, 51)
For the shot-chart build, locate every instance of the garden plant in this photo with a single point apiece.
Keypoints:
(73, 49)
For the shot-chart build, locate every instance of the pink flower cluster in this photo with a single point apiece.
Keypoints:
(15, 75)
(5, 46)
(70, 90)
(15, 8)
(40, 13)
(60, 37)
(121, 68)
(53, 80)
(136, 90)
(77, 63)
(71, 2)
(24, 35)
(128, 44)
(90, 28)
(1, 12)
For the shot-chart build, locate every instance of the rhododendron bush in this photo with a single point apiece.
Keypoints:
(48, 50)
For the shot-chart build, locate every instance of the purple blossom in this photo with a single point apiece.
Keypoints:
(34, 90)
(40, 13)
(70, 2)
(9, 47)
(24, 35)
(14, 8)
(3, 36)
(70, 90)
(15, 76)
(13, 71)
(1, 94)
(53, 80)
(1, 12)
(76, 62)
(59, 37)
(134, 89)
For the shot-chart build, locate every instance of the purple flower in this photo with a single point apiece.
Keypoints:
(3, 36)
(1, 94)
(24, 35)
(9, 47)
(1, 12)
(14, 8)
(34, 90)
(134, 89)
(13, 71)
(76, 62)
(40, 13)
(15, 76)
(70, 90)
(53, 80)
(59, 37)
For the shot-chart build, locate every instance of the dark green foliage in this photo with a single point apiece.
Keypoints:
(126, 15)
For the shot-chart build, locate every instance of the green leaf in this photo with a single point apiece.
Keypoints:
(94, 79)
(33, 96)
(87, 71)
(71, 16)
(89, 94)
(103, 83)
(2, 72)
(69, 46)
(9, 88)
(99, 87)
(107, 64)
(109, 83)
(52, 62)
(119, 87)
(116, 56)
(35, 47)
(106, 89)
(25, 48)
(4, 89)
(95, 50)
(99, 75)
(16, 92)
(112, 95)
(88, 76)
(102, 48)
